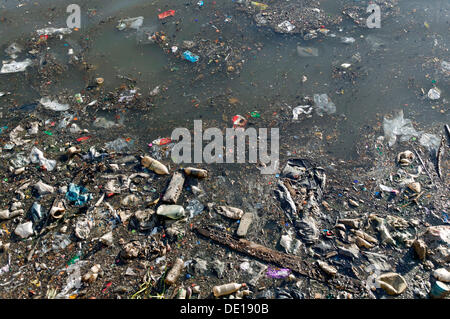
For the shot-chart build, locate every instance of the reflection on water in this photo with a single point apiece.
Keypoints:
(389, 66)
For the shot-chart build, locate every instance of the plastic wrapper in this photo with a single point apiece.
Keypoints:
(14, 66)
(324, 104)
(53, 105)
(37, 156)
(78, 194)
(398, 126)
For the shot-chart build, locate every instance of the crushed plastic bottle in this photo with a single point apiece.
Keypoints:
(227, 289)
(174, 273)
(188, 55)
(171, 211)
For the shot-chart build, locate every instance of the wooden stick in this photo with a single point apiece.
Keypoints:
(447, 129)
(439, 156)
(423, 164)
(295, 263)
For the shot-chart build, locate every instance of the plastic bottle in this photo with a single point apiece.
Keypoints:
(227, 289)
(182, 293)
(196, 172)
(171, 211)
(154, 165)
(174, 273)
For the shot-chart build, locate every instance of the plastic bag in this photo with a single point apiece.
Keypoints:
(14, 66)
(301, 109)
(324, 104)
(20, 161)
(286, 26)
(52, 31)
(103, 123)
(398, 126)
(307, 51)
(53, 105)
(78, 194)
(445, 66)
(434, 94)
(131, 23)
(118, 145)
(348, 40)
(145, 35)
(430, 141)
(36, 212)
(37, 156)
(194, 208)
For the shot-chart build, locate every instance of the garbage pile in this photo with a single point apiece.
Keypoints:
(300, 17)
(213, 56)
(90, 210)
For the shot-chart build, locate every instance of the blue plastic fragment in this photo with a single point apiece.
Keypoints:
(445, 217)
(78, 194)
(188, 55)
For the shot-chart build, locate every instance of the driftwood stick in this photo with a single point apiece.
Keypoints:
(439, 156)
(295, 263)
(423, 165)
(447, 129)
